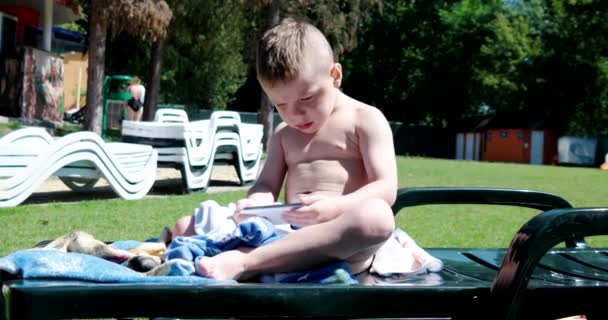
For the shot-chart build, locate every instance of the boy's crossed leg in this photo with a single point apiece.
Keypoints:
(353, 236)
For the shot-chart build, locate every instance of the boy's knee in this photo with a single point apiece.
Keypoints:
(374, 220)
(183, 227)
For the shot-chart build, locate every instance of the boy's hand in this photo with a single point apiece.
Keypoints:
(315, 209)
(242, 204)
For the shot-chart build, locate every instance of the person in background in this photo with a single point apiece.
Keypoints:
(136, 103)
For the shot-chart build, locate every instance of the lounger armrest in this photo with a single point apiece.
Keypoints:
(531, 243)
(409, 197)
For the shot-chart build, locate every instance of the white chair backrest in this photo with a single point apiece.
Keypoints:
(224, 120)
(29, 136)
(19, 148)
(171, 116)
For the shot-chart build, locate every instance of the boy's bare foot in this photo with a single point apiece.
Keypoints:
(229, 265)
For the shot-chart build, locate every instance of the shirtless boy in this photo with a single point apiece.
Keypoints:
(335, 155)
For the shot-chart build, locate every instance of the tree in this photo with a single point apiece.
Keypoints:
(265, 115)
(204, 63)
(573, 84)
(405, 63)
(435, 62)
(147, 19)
(504, 71)
(154, 76)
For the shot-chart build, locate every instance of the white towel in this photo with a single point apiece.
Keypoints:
(400, 255)
(213, 220)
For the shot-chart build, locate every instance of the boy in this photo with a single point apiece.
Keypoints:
(335, 154)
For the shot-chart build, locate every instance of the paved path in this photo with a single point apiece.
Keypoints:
(168, 182)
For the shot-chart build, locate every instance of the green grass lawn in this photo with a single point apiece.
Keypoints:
(8, 127)
(431, 226)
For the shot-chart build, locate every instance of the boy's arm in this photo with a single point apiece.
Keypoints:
(378, 155)
(268, 185)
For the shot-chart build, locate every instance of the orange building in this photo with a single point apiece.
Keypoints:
(533, 146)
(519, 146)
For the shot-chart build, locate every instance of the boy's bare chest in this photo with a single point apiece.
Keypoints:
(326, 144)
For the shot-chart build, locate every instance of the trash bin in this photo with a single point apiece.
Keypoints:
(115, 97)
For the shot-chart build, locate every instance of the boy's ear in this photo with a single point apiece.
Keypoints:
(336, 74)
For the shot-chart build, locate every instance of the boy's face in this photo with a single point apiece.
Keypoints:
(306, 102)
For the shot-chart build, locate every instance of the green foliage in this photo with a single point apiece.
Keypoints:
(127, 55)
(338, 20)
(203, 64)
(74, 26)
(80, 25)
(574, 63)
(8, 127)
(203, 60)
(411, 65)
(502, 69)
(430, 62)
(67, 128)
(436, 62)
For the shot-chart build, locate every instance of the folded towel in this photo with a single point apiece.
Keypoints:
(54, 264)
(252, 232)
(400, 255)
(214, 221)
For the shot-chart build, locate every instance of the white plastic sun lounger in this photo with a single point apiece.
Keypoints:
(29, 156)
(193, 147)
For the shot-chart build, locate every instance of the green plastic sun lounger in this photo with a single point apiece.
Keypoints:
(531, 279)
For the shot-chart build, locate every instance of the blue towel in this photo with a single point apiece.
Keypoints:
(252, 232)
(54, 264)
(180, 258)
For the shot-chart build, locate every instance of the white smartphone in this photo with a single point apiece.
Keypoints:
(272, 212)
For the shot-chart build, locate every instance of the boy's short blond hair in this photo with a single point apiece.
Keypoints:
(285, 49)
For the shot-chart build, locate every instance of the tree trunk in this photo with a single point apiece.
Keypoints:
(266, 108)
(151, 99)
(97, 49)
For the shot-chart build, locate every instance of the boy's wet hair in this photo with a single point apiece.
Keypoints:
(282, 50)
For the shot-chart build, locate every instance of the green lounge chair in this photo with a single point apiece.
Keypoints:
(534, 281)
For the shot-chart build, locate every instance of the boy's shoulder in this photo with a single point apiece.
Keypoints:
(281, 128)
(365, 112)
(359, 107)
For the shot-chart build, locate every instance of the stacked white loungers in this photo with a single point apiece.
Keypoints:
(193, 147)
(29, 156)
